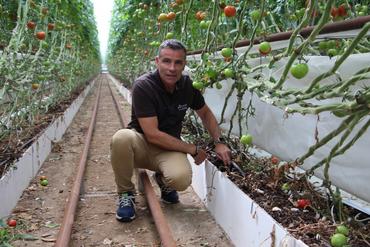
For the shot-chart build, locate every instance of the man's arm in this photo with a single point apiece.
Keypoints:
(149, 125)
(209, 121)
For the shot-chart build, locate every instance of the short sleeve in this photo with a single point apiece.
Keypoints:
(142, 101)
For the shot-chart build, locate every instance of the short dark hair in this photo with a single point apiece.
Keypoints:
(173, 44)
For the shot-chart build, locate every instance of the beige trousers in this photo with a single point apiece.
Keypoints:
(129, 150)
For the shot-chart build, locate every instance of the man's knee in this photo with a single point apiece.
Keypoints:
(122, 137)
(180, 180)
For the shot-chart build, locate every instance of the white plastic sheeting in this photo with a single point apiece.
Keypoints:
(13, 183)
(290, 138)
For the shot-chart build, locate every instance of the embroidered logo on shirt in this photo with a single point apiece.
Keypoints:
(183, 107)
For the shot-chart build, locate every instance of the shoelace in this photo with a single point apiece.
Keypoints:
(166, 189)
(125, 201)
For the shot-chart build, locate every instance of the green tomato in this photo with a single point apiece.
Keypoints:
(293, 17)
(228, 73)
(203, 24)
(198, 85)
(169, 35)
(218, 85)
(300, 12)
(246, 140)
(338, 240)
(212, 74)
(331, 44)
(323, 45)
(264, 48)
(255, 15)
(364, 8)
(285, 187)
(332, 52)
(342, 229)
(226, 52)
(205, 56)
(299, 70)
(44, 182)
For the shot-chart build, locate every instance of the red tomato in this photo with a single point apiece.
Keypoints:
(51, 26)
(171, 16)
(31, 25)
(274, 160)
(40, 35)
(230, 11)
(342, 11)
(200, 15)
(303, 203)
(12, 223)
(334, 12)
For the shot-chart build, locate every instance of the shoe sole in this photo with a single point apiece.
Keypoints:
(125, 219)
(168, 202)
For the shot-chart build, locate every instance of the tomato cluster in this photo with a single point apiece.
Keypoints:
(340, 11)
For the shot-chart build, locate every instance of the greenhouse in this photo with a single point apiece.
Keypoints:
(185, 123)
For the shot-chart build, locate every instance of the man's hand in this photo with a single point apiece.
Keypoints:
(200, 156)
(223, 153)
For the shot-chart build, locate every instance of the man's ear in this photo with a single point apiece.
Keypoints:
(156, 60)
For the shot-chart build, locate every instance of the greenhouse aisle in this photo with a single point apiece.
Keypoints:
(41, 208)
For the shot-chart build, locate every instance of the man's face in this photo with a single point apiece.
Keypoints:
(170, 64)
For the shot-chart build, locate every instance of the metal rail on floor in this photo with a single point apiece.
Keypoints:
(64, 234)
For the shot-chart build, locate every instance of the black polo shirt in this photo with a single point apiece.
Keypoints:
(149, 99)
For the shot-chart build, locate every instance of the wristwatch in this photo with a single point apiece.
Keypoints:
(220, 140)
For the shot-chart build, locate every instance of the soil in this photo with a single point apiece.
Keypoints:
(40, 210)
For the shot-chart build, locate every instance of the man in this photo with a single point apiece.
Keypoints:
(152, 141)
